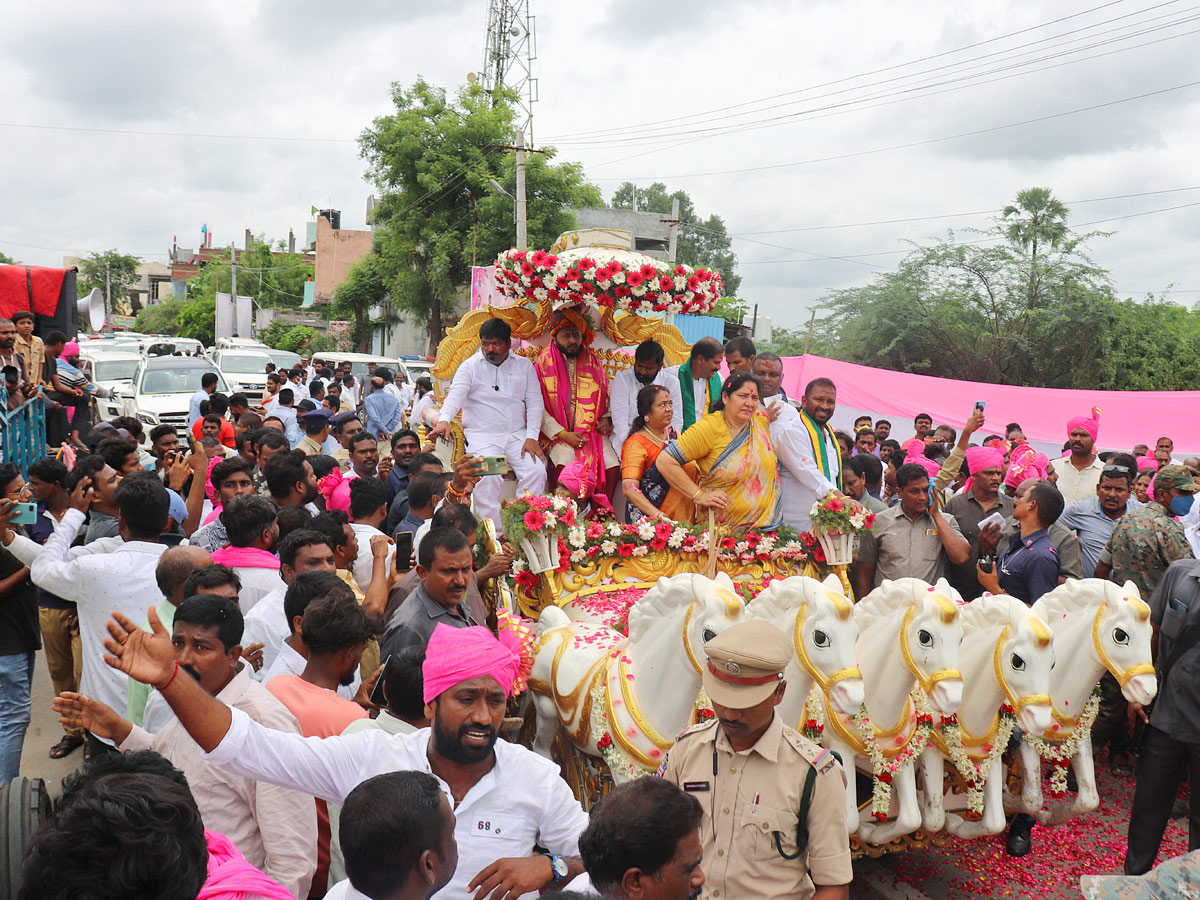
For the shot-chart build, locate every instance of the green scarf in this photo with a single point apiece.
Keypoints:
(687, 393)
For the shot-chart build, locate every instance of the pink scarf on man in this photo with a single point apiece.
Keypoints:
(582, 413)
(246, 558)
(230, 877)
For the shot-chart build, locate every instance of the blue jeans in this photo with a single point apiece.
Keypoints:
(16, 677)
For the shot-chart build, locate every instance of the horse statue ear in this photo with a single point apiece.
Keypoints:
(943, 586)
(833, 583)
(1132, 590)
(724, 580)
(662, 582)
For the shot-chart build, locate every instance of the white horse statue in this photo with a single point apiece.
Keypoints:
(820, 620)
(908, 637)
(626, 699)
(1097, 625)
(1006, 657)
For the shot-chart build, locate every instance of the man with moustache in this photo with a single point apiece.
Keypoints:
(647, 369)
(274, 828)
(810, 461)
(505, 798)
(575, 421)
(1079, 471)
(757, 778)
(445, 565)
(501, 403)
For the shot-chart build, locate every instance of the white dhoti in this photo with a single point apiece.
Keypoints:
(529, 470)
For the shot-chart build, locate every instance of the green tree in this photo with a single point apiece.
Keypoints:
(6, 260)
(731, 309)
(701, 242)
(275, 281)
(434, 160)
(363, 287)
(116, 270)
(160, 318)
(1037, 217)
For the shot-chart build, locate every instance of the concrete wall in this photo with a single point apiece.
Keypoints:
(337, 251)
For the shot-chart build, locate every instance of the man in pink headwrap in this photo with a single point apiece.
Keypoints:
(505, 798)
(980, 499)
(1079, 471)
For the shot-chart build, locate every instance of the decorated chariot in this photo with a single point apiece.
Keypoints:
(950, 712)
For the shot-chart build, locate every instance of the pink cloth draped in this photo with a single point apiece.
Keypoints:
(454, 655)
(246, 558)
(209, 491)
(216, 511)
(1025, 463)
(335, 488)
(581, 413)
(899, 396)
(230, 877)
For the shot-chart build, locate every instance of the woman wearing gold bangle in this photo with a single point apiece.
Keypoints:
(732, 449)
(647, 493)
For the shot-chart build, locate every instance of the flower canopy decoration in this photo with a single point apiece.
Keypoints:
(608, 279)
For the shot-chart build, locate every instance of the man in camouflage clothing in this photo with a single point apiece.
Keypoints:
(1147, 540)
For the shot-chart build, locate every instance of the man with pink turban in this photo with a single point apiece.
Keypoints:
(980, 499)
(506, 799)
(1079, 471)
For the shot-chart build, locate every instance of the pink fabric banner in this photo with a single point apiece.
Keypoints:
(1126, 417)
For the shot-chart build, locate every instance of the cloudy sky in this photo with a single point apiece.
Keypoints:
(826, 134)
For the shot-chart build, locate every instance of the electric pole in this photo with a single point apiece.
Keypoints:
(522, 213)
(233, 272)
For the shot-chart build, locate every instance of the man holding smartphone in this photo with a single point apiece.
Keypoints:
(497, 392)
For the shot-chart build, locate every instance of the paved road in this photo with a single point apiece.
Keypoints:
(44, 732)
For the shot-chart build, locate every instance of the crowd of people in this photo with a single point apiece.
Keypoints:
(271, 639)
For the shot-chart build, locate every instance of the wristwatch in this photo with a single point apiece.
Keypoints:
(558, 866)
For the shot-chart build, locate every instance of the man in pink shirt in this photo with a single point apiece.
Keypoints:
(335, 629)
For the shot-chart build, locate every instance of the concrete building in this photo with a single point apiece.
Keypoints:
(337, 249)
(154, 284)
(653, 233)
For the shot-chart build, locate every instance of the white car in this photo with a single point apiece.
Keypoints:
(245, 369)
(112, 371)
(162, 389)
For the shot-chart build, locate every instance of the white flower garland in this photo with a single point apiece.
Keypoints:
(813, 726)
(884, 771)
(1059, 753)
(975, 774)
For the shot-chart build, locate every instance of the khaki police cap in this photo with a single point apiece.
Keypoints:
(745, 664)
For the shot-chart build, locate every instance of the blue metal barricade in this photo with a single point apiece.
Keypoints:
(23, 431)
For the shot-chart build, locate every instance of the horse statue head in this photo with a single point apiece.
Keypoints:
(820, 620)
(930, 632)
(1120, 629)
(1022, 658)
(689, 608)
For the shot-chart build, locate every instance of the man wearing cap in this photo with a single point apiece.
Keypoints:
(1079, 471)
(1147, 540)
(751, 772)
(506, 799)
(316, 431)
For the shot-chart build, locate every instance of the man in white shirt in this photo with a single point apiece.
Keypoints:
(623, 390)
(506, 799)
(122, 580)
(274, 828)
(208, 384)
(304, 550)
(298, 382)
(497, 392)
(809, 456)
(1079, 471)
(250, 527)
(368, 512)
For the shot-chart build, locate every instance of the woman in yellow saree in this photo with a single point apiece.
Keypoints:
(731, 446)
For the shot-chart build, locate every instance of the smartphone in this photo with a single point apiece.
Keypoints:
(493, 465)
(404, 549)
(979, 407)
(377, 692)
(26, 513)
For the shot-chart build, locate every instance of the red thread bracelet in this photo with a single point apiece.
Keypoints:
(172, 678)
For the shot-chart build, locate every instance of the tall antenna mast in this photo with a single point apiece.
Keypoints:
(508, 59)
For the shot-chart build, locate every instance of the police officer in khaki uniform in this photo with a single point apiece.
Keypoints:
(751, 773)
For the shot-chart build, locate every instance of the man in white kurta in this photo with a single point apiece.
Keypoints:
(623, 390)
(501, 403)
(804, 476)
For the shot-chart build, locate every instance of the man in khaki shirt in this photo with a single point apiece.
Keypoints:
(913, 539)
(316, 429)
(751, 773)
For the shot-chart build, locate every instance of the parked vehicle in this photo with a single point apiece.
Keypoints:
(358, 363)
(244, 369)
(111, 370)
(162, 389)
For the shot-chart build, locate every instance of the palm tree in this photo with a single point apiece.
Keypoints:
(1038, 217)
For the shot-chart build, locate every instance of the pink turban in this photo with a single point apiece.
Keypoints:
(980, 458)
(912, 448)
(1147, 462)
(1025, 463)
(1091, 426)
(70, 348)
(455, 655)
(335, 488)
(933, 467)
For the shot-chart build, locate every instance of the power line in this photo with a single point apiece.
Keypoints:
(186, 134)
(906, 146)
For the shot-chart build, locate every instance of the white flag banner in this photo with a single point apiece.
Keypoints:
(224, 317)
(244, 316)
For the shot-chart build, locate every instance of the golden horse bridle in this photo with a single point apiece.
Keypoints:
(798, 643)
(1123, 677)
(1017, 703)
(926, 683)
